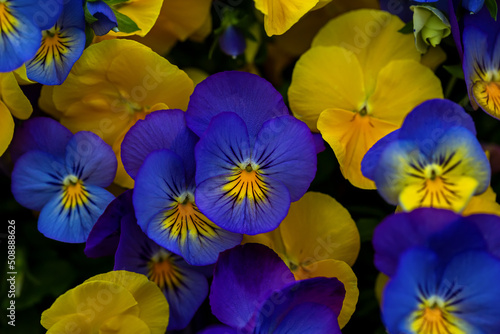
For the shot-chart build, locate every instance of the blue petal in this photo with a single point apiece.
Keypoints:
(42, 14)
(475, 274)
(473, 6)
(90, 159)
(306, 318)
(224, 147)
(239, 290)
(232, 41)
(477, 59)
(431, 119)
(284, 317)
(184, 286)
(72, 223)
(166, 212)
(371, 159)
(37, 177)
(254, 99)
(416, 273)
(219, 329)
(489, 225)
(162, 129)
(40, 133)
(106, 18)
(105, 235)
(285, 151)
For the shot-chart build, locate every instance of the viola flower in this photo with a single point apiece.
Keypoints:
(253, 159)
(118, 301)
(281, 15)
(481, 62)
(442, 231)
(318, 238)
(13, 102)
(357, 83)
(117, 233)
(158, 153)
(64, 179)
(21, 25)
(60, 48)
(113, 84)
(268, 298)
(434, 160)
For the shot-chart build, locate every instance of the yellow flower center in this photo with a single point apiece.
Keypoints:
(8, 22)
(74, 192)
(435, 316)
(163, 271)
(246, 182)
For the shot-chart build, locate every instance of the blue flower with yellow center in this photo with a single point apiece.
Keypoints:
(63, 176)
(481, 62)
(253, 158)
(158, 153)
(434, 160)
(60, 48)
(21, 25)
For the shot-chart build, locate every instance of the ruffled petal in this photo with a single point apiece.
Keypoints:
(249, 96)
(162, 129)
(319, 82)
(37, 177)
(238, 291)
(41, 134)
(70, 215)
(167, 212)
(90, 159)
(144, 13)
(285, 151)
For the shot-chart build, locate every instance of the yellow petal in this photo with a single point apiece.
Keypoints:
(280, 15)
(183, 17)
(46, 102)
(434, 57)
(204, 31)
(22, 76)
(325, 77)
(13, 97)
(124, 324)
(487, 96)
(6, 127)
(96, 300)
(351, 135)
(401, 86)
(343, 272)
(372, 35)
(143, 12)
(463, 188)
(484, 203)
(75, 323)
(154, 309)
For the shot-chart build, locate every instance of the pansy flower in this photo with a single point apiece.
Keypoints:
(158, 153)
(357, 83)
(64, 178)
(439, 264)
(113, 84)
(481, 62)
(252, 159)
(21, 25)
(117, 233)
(254, 292)
(318, 238)
(114, 302)
(434, 160)
(61, 46)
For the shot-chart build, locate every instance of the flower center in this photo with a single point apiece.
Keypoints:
(247, 183)
(434, 315)
(163, 271)
(74, 192)
(7, 21)
(432, 171)
(487, 95)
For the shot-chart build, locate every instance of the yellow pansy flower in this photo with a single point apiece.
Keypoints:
(114, 84)
(357, 83)
(115, 302)
(318, 238)
(281, 15)
(13, 102)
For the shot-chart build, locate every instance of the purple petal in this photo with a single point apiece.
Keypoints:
(244, 277)
(254, 99)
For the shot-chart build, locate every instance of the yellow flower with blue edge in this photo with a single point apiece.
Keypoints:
(318, 238)
(114, 84)
(114, 302)
(281, 15)
(357, 83)
(13, 102)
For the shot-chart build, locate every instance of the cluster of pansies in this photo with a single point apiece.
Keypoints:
(218, 156)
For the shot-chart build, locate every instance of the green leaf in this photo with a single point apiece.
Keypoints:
(455, 70)
(492, 8)
(114, 2)
(407, 29)
(89, 35)
(125, 23)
